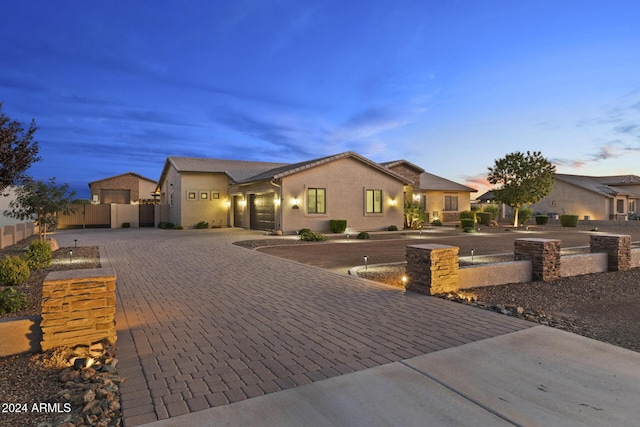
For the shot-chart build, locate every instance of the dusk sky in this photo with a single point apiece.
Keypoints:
(117, 86)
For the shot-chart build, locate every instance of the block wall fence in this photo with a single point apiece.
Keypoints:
(434, 269)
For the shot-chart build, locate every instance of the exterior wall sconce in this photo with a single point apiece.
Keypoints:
(392, 202)
(295, 203)
(416, 197)
(276, 201)
(227, 203)
(243, 203)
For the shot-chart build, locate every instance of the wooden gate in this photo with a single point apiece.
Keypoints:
(86, 216)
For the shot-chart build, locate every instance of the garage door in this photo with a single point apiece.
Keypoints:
(114, 196)
(262, 211)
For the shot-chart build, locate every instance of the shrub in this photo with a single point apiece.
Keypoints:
(201, 225)
(467, 223)
(39, 255)
(12, 301)
(484, 218)
(542, 219)
(337, 225)
(363, 235)
(436, 222)
(13, 271)
(493, 210)
(392, 228)
(126, 225)
(166, 225)
(468, 215)
(524, 214)
(311, 236)
(569, 220)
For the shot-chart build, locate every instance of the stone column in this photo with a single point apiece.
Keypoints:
(432, 268)
(544, 255)
(616, 246)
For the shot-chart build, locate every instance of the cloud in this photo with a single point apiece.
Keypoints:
(572, 163)
(478, 181)
(368, 123)
(627, 129)
(606, 152)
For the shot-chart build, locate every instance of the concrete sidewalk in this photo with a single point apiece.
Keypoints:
(534, 377)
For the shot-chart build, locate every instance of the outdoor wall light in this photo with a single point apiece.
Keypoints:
(392, 202)
(227, 203)
(243, 203)
(416, 197)
(295, 203)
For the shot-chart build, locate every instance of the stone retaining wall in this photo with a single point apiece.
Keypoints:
(78, 307)
(432, 268)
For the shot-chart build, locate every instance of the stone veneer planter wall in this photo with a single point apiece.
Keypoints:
(78, 307)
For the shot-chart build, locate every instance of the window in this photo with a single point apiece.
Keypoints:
(204, 195)
(620, 206)
(450, 203)
(316, 200)
(191, 195)
(374, 201)
(632, 205)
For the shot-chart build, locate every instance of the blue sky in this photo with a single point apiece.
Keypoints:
(118, 86)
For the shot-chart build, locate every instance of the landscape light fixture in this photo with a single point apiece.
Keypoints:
(348, 232)
(70, 255)
(75, 243)
(366, 259)
(471, 255)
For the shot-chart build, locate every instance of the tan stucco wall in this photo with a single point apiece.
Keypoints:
(435, 203)
(569, 199)
(213, 211)
(345, 181)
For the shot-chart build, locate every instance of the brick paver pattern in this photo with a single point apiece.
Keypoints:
(204, 323)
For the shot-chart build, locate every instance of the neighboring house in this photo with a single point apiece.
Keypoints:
(279, 196)
(441, 198)
(592, 197)
(126, 188)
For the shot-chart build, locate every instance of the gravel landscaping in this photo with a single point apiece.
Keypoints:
(601, 306)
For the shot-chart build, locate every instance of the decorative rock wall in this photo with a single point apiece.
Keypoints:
(544, 255)
(78, 307)
(616, 246)
(432, 269)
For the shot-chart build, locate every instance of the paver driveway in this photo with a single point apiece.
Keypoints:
(203, 323)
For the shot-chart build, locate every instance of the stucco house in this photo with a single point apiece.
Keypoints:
(592, 197)
(279, 196)
(288, 197)
(441, 198)
(123, 189)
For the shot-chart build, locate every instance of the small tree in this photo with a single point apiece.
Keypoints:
(41, 200)
(18, 150)
(414, 215)
(523, 179)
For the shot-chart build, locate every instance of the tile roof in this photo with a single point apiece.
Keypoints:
(291, 169)
(237, 170)
(429, 181)
(607, 186)
(402, 162)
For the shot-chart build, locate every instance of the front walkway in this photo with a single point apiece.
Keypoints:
(204, 323)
